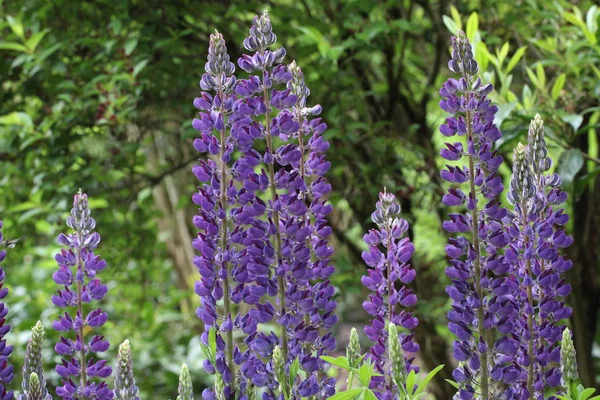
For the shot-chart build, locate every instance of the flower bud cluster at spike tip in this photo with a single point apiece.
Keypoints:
(522, 187)
(261, 37)
(389, 271)
(462, 61)
(218, 67)
(33, 362)
(6, 370)
(78, 266)
(540, 162)
(185, 390)
(568, 360)
(125, 388)
(482, 291)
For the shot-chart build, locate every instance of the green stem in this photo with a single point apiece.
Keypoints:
(82, 360)
(224, 264)
(483, 358)
(530, 303)
(274, 196)
(350, 380)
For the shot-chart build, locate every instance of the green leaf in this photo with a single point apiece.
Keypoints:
(130, 46)
(456, 16)
(514, 60)
(541, 75)
(575, 120)
(503, 52)
(341, 361)
(98, 202)
(16, 26)
(212, 341)
(16, 118)
(294, 368)
(369, 395)
(570, 163)
(365, 373)
(34, 40)
(423, 384)
(504, 111)
(13, 46)
(592, 19)
(472, 26)
(346, 395)
(139, 66)
(450, 24)
(410, 382)
(452, 383)
(558, 86)
(586, 394)
(533, 78)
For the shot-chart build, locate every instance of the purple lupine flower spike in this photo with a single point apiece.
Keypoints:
(6, 370)
(78, 266)
(262, 219)
(538, 233)
(292, 176)
(219, 262)
(482, 290)
(522, 190)
(390, 301)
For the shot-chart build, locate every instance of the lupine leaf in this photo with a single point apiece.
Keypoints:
(341, 361)
(410, 382)
(514, 60)
(346, 395)
(558, 85)
(428, 378)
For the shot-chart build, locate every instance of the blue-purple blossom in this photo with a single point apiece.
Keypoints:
(78, 266)
(482, 291)
(6, 370)
(390, 301)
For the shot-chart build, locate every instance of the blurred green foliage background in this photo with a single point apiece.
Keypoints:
(98, 95)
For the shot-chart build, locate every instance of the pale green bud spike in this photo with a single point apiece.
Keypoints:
(219, 388)
(279, 366)
(353, 349)
(35, 388)
(185, 384)
(125, 388)
(568, 361)
(33, 360)
(251, 391)
(396, 354)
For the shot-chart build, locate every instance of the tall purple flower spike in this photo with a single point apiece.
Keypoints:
(389, 272)
(78, 266)
(262, 218)
(6, 370)
(224, 240)
(276, 97)
(537, 234)
(483, 292)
